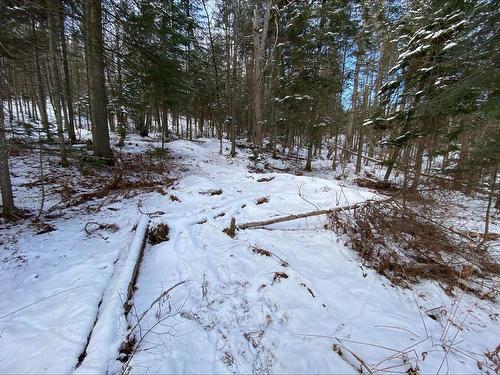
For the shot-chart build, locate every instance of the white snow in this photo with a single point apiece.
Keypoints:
(231, 317)
(234, 313)
(449, 45)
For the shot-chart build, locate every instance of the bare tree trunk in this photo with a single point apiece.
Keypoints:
(42, 177)
(391, 162)
(95, 66)
(42, 102)
(70, 124)
(216, 73)
(308, 166)
(490, 200)
(259, 43)
(121, 116)
(354, 105)
(56, 92)
(418, 164)
(201, 122)
(8, 208)
(234, 89)
(359, 154)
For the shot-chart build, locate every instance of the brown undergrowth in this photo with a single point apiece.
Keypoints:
(407, 246)
(382, 187)
(132, 174)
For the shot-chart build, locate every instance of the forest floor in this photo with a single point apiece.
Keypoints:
(292, 297)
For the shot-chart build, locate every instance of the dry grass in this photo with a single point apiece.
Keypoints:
(131, 175)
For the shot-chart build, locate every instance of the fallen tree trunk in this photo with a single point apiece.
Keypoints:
(111, 321)
(257, 224)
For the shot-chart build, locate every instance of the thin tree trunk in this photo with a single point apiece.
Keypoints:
(70, 124)
(121, 116)
(42, 101)
(359, 154)
(354, 105)
(418, 165)
(308, 167)
(56, 92)
(490, 200)
(42, 178)
(8, 208)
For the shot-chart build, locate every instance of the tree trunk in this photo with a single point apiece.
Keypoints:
(8, 208)
(52, 18)
(42, 101)
(259, 43)
(490, 200)
(95, 66)
(359, 153)
(418, 165)
(70, 125)
(121, 116)
(308, 167)
(391, 162)
(354, 105)
(201, 122)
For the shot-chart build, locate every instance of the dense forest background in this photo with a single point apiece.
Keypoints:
(413, 85)
(249, 186)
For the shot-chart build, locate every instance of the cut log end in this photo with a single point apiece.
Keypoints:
(231, 230)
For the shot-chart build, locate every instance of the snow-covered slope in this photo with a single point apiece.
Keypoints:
(288, 298)
(244, 312)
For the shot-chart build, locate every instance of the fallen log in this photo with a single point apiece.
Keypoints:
(257, 224)
(111, 320)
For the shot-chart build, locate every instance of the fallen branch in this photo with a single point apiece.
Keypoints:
(257, 224)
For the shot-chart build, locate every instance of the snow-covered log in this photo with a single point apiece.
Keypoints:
(111, 325)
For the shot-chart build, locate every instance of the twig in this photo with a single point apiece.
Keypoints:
(150, 214)
(304, 199)
(163, 294)
(394, 327)
(41, 300)
(42, 184)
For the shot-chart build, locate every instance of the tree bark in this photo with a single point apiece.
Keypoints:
(259, 43)
(354, 103)
(56, 82)
(42, 101)
(490, 201)
(8, 208)
(418, 165)
(70, 125)
(359, 154)
(95, 66)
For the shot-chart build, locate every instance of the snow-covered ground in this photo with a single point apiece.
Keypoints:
(238, 310)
